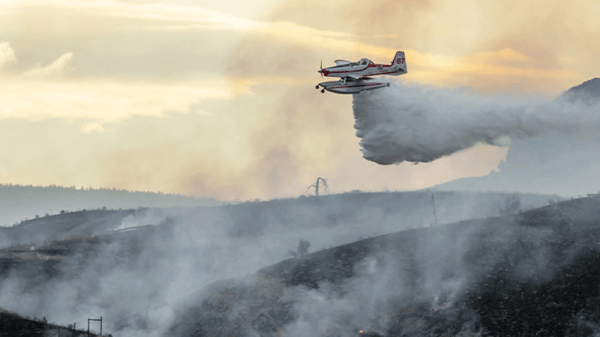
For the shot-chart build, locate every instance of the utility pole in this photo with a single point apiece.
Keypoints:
(434, 213)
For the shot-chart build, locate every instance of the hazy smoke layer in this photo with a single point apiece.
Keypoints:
(137, 278)
(420, 124)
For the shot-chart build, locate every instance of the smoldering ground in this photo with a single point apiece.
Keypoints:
(450, 279)
(501, 275)
(417, 123)
(138, 279)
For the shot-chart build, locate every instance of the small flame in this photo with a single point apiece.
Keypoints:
(360, 331)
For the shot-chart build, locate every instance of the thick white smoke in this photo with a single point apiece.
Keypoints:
(420, 124)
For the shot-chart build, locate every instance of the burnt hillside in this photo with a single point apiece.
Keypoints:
(133, 266)
(391, 209)
(63, 226)
(388, 209)
(12, 325)
(18, 202)
(535, 274)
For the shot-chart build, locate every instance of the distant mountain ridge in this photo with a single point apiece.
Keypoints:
(19, 202)
(587, 92)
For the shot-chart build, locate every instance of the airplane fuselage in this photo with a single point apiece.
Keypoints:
(368, 68)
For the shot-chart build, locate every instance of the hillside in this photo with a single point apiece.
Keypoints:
(63, 226)
(391, 210)
(12, 325)
(138, 268)
(587, 92)
(534, 274)
(19, 202)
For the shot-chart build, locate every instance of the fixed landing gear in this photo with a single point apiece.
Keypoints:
(317, 87)
(322, 91)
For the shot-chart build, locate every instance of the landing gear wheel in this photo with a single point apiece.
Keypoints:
(317, 87)
(322, 91)
(388, 84)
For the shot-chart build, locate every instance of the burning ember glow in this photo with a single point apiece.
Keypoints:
(360, 331)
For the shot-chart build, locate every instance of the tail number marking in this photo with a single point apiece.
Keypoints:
(400, 60)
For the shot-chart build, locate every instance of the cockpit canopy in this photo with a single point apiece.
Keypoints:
(364, 62)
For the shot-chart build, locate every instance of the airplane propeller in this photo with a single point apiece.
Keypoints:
(321, 67)
(321, 71)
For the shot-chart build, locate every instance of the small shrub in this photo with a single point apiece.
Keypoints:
(301, 250)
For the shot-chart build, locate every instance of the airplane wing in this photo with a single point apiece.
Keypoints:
(341, 62)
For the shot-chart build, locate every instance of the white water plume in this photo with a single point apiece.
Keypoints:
(420, 124)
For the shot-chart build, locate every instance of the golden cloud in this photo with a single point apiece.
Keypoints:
(7, 54)
(101, 101)
(53, 70)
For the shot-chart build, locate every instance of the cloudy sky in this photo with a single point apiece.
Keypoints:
(217, 99)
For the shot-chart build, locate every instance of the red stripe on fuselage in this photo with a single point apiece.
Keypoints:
(379, 65)
(389, 72)
(346, 71)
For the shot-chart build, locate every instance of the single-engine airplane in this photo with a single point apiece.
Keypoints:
(355, 76)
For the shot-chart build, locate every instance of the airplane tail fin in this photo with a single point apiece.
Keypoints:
(400, 62)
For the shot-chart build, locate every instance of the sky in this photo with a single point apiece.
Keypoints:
(217, 99)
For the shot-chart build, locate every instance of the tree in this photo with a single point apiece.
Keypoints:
(316, 186)
(301, 250)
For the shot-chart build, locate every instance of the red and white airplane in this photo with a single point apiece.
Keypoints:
(355, 76)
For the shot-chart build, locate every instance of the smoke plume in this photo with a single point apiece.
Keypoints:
(420, 124)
